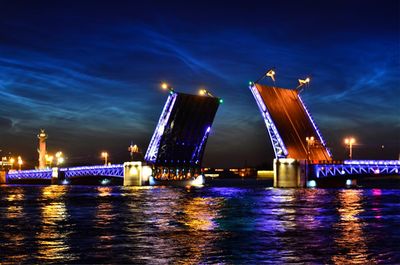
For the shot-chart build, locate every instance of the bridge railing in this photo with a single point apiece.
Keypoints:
(29, 174)
(357, 167)
(109, 170)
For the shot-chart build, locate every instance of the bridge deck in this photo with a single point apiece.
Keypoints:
(181, 134)
(292, 122)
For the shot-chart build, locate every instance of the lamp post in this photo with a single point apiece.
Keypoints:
(133, 149)
(12, 160)
(310, 142)
(166, 86)
(60, 158)
(350, 142)
(19, 162)
(49, 159)
(105, 156)
(205, 92)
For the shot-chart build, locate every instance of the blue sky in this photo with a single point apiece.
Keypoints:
(89, 72)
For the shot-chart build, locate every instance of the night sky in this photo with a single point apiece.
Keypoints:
(89, 73)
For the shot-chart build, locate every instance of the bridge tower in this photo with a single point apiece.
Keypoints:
(42, 136)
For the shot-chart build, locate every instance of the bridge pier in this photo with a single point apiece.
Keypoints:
(289, 173)
(3, 179)
(136, 174)
(57, 176)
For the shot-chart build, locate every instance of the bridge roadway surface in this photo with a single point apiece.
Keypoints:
(292, 122)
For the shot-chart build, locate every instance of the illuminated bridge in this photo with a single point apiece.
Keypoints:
(177, 147)
(300, 151)
(175, 151)
(68, 173)
(289, 124)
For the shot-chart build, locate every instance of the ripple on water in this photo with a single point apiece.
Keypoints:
(159, 225)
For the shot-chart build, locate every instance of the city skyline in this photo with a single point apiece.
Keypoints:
(90, 73)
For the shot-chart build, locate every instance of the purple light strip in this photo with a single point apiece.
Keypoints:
(279, 147)
(109, 170)
(199, 148)
(371, 162)
(99, 167)
(16, 172)
(315, 126)
(152, 150)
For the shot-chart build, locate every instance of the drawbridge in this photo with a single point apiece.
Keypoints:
(177, 146)
(289, 124)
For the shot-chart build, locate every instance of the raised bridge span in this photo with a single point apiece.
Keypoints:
(300, 151)
(289, 123)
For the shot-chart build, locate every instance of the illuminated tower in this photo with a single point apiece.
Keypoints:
(42, 148)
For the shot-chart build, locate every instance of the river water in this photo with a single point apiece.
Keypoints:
(209, 225)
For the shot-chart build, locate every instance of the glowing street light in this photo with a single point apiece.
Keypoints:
(350, 142)
(105, 156)
(205, 92)
(310, 142)
(271, 73)
(19, 162)
(60, 158)
(49, 160)
(304, 82)
(165, 86)
(12, 161)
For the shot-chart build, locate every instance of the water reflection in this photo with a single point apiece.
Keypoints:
(121, 225)
(104, 220)
(183, 223)
(15, 240)
(52, 238)
(350, 240)
(376, 203)
(200, 214)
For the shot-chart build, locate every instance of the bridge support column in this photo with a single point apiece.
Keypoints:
(136, 174)
(3, 179)
(289, 173)
(54, 176)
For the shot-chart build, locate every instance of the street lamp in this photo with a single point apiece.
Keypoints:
(60, 158)
(205, 92)
(133, 149)
(350, 142)
(49, 160)
(19, 162)
(310, 142)
(165, 86)
(12, 160)
(105, 156)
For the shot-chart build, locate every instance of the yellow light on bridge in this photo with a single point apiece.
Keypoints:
(20, 162)
(350, 142)
(164, 85)
(60, 158)
(105, 156)
(303, 82)
(271, 73)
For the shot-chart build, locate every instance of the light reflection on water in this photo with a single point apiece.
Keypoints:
(51, 237)
(86, 224)
(350, 229)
